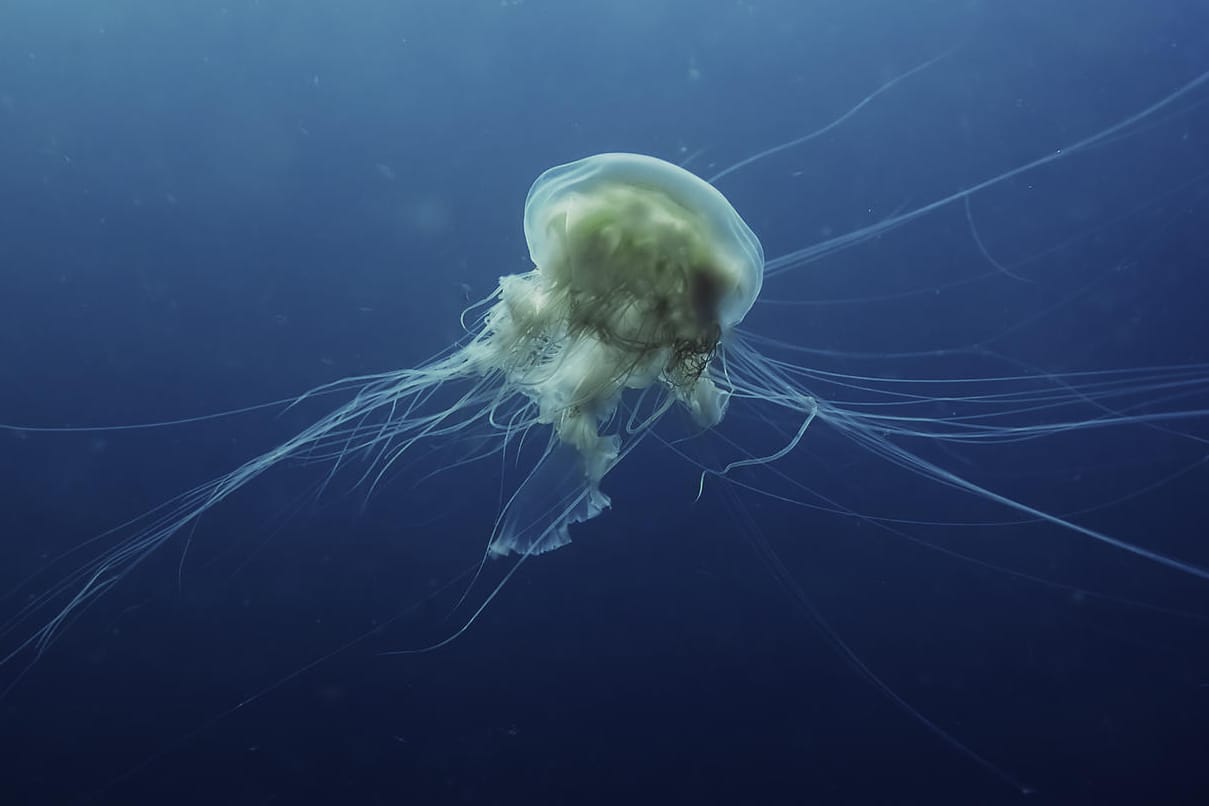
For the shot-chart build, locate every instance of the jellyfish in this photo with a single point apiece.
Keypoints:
(641, 269)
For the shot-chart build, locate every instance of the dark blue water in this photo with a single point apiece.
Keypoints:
(204, 207)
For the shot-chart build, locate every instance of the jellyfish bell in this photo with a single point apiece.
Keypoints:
(669, 209)
(641, 268)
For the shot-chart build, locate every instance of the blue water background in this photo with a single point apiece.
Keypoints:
(205, 206)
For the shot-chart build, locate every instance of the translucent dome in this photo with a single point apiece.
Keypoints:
(663, 194)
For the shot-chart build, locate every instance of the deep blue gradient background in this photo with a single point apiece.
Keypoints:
(204, 206)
